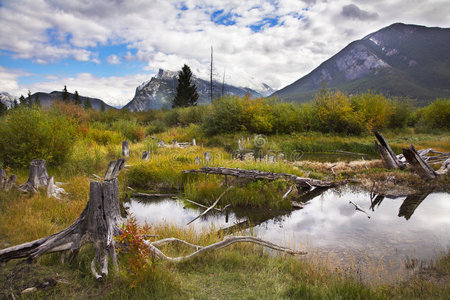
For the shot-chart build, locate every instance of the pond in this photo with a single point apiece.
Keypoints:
(401, 231)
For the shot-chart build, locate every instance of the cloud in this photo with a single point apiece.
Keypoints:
(354, 12)
(113, 59)
(167, 34)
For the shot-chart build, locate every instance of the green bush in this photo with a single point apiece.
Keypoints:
(402, 113)
(436, 115)
(155, 126)
(31, 133)
(104, 137)
(226, 116)
(130, 129)
(335, 113)
(372, 109)
(192, 114)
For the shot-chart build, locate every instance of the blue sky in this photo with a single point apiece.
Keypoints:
(105, 49)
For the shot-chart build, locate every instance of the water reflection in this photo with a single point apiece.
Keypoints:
(330, 223)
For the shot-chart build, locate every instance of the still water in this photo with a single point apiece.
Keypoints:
(399, 230)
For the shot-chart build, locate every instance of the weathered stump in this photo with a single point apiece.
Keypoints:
(125, 149)
(418, 164)
(387, 155)
(145, 155)
(194, 143)
(98, 223)
(10, 182)
(3, 178)
(207, 157)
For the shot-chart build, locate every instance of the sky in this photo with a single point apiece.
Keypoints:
(106, 48)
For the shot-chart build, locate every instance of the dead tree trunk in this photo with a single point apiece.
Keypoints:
(418, 164)
(37, 178)
(259, 175)
(125, 149)
(145, 155)
(2, 178)
(387, 155)
(98, 223)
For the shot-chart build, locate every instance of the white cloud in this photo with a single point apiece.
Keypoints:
(308, 32)
(113, 59)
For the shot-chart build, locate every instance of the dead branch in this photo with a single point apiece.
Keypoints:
(357, 207)
(211, 207)
(201, 205)
(219, 245)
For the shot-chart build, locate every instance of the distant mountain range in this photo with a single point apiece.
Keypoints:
(399, 60)
(159, 91)
(46, 99)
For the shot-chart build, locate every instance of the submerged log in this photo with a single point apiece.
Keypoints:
(387, 155)
(259, 175)
(418, 164)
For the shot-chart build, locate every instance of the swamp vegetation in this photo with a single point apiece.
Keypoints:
(282, 137)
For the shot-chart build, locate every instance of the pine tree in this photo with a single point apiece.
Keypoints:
(76, 98)
(87, 104)
(16, 104)
(22, 100)
(3, 108)
(28, 100)
(65, 94)
(186, 91)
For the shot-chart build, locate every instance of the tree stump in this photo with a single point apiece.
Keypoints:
(418, 164)
(2, 178)
(387, 155)
(207, 157)
(38, 176)
(125, 149)
(98, 223)
(145, 155)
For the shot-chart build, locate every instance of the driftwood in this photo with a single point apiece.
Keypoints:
(418, 164)
(387, 155)
(219, 245)
(38, 177)
(125, 149)
(209, 208)
(98, 223)
(259, 175)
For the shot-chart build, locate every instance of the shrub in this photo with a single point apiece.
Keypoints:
(192, 114)
(31, 133)
(104, 137)
(402, 113)
(373, 109)
(130, 129)
(335, 113)
(436, 115)
(226, 116)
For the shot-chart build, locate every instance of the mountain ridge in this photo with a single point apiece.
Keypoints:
(159, 91)
(398, 60)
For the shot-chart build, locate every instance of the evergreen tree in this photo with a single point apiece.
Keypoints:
(29, 101)
(102, 107)
(3, 108)
(186, 91)
(37, 101)
(22, 100)
(87, 104)
(16, 105)
(76, 98)
(65, 94)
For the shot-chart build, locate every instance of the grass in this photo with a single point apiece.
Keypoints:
(241, 271)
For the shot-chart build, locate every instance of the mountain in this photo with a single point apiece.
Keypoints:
(159, 91)
(398, 60)
(8, 99)
(46, 99)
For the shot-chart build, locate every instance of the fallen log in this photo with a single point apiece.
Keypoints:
(387, 155)
(259, 175)
(420, 166)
